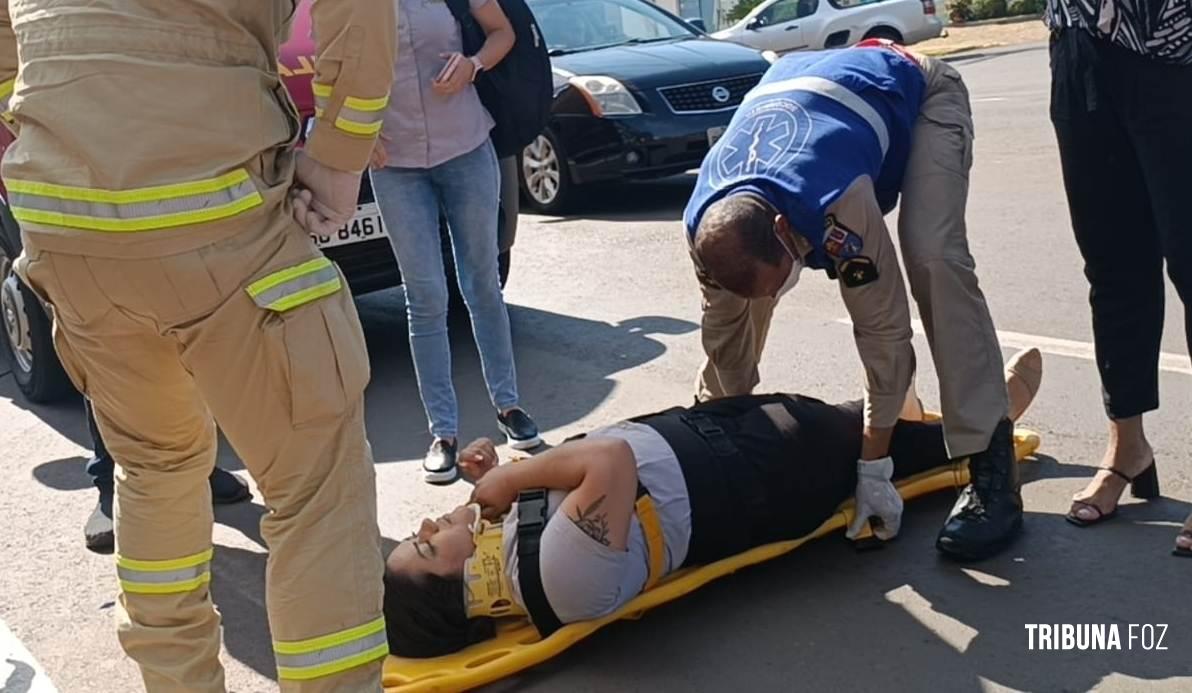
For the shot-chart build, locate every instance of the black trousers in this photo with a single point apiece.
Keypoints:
(1124, 126)
(785, 472)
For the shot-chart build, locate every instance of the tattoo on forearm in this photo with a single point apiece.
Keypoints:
(593, 523)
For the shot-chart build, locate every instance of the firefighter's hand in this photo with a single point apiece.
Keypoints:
(324, 198)
(380, 155)
(495, 493)
(478, 459)
(877, 499)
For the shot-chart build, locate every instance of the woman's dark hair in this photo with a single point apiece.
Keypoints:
(425, 616)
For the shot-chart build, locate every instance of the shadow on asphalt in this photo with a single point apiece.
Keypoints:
(660, 200)
(565, 368)
(546, 344)
(238, 589)
(904, 619)
(66, 474)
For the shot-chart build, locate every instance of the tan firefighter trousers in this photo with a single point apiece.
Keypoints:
(259, 332)
(940, 270)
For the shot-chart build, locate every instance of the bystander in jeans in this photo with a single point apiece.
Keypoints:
(435, 157)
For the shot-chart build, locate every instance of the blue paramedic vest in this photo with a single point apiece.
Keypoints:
(814, 124)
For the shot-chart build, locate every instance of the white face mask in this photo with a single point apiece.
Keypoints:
(793, 277)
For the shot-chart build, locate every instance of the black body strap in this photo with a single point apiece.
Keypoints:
(531, 520)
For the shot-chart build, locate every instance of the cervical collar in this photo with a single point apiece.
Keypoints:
(487, 590)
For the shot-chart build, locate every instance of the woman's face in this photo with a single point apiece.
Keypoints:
(440, 547)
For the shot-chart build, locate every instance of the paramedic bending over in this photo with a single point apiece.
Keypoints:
(817, 153)
(780, 468)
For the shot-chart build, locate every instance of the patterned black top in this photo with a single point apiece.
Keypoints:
(1160, 29)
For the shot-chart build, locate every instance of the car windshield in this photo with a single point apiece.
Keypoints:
(582, 25)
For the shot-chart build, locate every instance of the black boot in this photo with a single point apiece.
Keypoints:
(988, 514)
(227, 488)
(98, 532)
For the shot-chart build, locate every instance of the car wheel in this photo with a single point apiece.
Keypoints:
(884, 32)
(543, 173)
(28, 340)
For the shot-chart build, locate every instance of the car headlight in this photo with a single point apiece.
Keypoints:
(606, 95)
(770, 56)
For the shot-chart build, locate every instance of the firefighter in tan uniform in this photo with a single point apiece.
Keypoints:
(152, 177)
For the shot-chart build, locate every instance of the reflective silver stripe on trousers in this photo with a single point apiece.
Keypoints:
(332, 654)
(147, 577)
(829, 89)
(133, 210)
(274, 294)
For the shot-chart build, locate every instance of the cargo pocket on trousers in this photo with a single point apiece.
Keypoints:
(951, 147)
(315, 333)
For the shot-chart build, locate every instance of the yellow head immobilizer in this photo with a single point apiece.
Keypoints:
(487, 588)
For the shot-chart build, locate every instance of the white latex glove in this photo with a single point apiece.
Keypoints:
(877, 497)
(324, 198)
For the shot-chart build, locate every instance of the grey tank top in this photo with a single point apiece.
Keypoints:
(584, 579)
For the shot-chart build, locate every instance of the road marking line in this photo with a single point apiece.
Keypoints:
(19, 671)
(1172, 363)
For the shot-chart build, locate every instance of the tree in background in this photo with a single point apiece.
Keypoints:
(740, 10)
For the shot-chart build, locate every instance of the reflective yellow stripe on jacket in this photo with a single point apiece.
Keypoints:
(330, 654)
(142, 209)
(164, 577)
(358, 116)
(295, 286)
(6, 89)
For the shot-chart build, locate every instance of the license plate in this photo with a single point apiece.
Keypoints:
(365, 226)
(714, 135)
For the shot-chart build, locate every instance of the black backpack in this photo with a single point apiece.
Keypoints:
(519, 90)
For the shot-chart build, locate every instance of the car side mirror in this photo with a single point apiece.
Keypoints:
(698, 23)
(754, 24)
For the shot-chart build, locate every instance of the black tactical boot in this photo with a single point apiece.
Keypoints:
(98, 532)
(988, 514)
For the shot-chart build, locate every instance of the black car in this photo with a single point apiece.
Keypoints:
(639, 93)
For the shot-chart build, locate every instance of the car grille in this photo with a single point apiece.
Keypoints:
(698, 97)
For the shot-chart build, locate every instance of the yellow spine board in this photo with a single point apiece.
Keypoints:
(517, 645)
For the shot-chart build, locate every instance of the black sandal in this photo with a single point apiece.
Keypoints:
(1143, 486)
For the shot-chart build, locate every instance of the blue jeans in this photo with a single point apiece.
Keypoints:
(467, 189)
(101, 466)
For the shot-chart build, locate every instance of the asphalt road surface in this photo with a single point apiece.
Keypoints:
(605, 310)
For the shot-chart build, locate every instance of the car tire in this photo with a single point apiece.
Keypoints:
(884, 32)
(35, 365)
(542, 173)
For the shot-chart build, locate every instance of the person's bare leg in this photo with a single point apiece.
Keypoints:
(1128, 452)
(1024, 374)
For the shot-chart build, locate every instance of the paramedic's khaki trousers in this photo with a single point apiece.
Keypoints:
(162, 346)
(940, 270)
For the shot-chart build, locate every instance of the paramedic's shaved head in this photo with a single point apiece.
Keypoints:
(737, 246)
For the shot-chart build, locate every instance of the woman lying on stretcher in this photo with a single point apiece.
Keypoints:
(632, 502)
